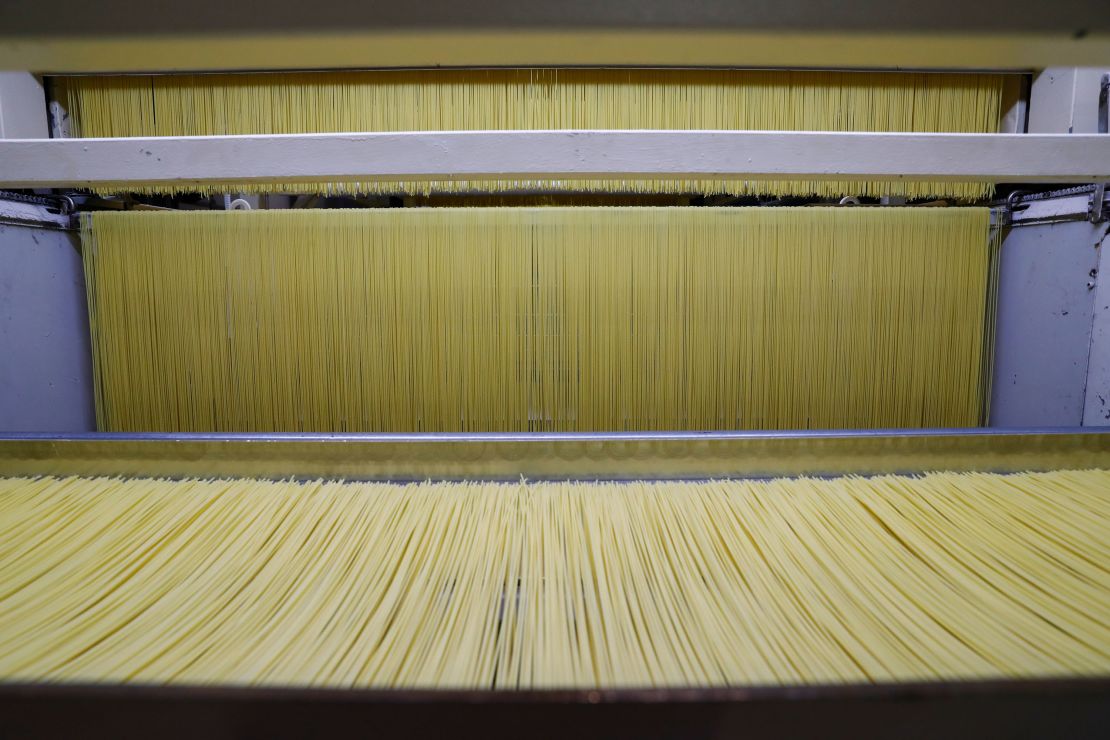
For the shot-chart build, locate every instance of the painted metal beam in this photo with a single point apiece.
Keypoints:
(555, 455)
(78, 36)
(515, 155)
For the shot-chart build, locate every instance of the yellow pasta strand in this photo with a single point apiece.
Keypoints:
(530, 585)
(508, 99)
(518, 319)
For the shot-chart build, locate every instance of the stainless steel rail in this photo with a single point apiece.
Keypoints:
(555, 456)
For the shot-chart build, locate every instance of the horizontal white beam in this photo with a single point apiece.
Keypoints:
(530, 155)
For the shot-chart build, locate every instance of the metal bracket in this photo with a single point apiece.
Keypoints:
(1096, 209)
(1006, 213)
(1080, 203)
(36, 210)
(1104, 104)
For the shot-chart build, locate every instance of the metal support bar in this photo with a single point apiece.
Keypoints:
(554, 456)
(466, 155)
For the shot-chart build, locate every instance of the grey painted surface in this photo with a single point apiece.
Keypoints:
(1015, 104)
(22, 106)
(1045, 309)
(45, 363)
(1064, 100)
(1096, 409)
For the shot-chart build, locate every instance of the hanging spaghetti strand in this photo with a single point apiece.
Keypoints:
(521, 99)
(518, 319)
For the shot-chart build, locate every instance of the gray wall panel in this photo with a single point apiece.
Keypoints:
(45, 363)
(1043, 338)
(1096, 412)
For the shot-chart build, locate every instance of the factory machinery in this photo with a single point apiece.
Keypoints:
(595, 369)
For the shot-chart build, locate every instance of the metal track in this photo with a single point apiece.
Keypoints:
(42, 211)
(1055, 206)
(555, 456)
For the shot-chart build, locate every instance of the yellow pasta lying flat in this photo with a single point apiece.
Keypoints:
(539, 319)
(555, 584)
